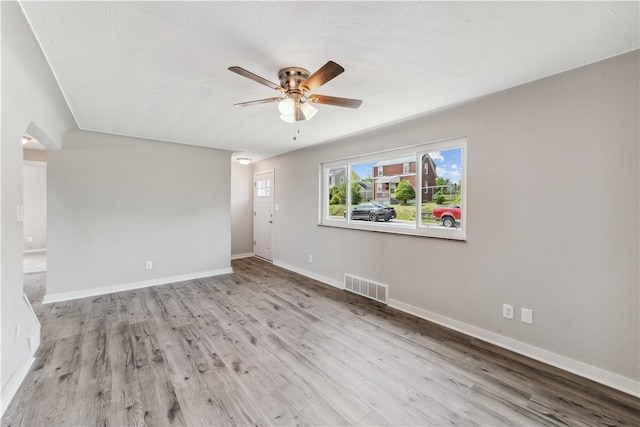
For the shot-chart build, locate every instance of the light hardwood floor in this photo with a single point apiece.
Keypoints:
(264, 346)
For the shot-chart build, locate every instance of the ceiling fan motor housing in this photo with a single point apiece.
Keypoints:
(291, 77)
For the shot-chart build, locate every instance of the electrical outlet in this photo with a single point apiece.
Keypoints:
(507, 311)
(149, 265)
(29, 239)
(526, 315)
(310, 258)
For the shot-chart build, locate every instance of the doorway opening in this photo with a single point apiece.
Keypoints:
(34, 205)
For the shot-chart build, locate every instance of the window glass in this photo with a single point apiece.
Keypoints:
(363, 186)
(263, 188)
(442, 189)
(336, 194)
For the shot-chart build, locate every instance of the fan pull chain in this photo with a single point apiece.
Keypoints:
(296, 131)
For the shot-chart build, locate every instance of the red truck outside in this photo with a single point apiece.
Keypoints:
(449, 215)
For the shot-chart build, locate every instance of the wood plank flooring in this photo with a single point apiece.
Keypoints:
(265, 346)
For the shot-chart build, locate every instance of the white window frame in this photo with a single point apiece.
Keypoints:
(416, 229)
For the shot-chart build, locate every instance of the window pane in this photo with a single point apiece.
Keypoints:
(337, 194)
(442, 189)
(263, 188)
(378, 194)
(390, 173)
(362, 191)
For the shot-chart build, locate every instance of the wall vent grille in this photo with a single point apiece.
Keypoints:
(366, 288)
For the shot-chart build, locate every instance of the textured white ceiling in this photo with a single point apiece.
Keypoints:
(159, 69)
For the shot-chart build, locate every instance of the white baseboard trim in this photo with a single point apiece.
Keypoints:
(13, 384)
(65, 296)
(310, 274)
(593, 373)
(33, 313)
(10, 388)
(244, 255)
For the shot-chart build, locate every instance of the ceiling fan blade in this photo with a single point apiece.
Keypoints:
(327, 72)
(256, 78)
(259, 101)
(334, 100)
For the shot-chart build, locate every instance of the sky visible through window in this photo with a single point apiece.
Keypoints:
(448, 165)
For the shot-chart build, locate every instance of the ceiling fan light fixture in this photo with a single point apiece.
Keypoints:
(287, 106)
(289, 118)
(308, 110)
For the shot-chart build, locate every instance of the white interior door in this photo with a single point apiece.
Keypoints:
(263, 215)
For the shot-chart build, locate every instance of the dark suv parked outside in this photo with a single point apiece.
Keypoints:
(373, 212)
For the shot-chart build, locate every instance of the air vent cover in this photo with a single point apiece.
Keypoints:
(366, 288)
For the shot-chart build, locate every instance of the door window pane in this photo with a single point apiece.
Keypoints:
(263, 188)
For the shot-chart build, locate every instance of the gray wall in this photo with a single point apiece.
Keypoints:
(35, 206)
(31, 101)
(241, 210)
(552, 220)
(116, 202)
